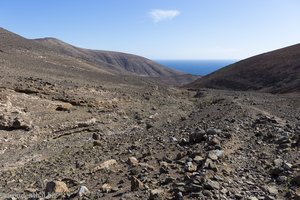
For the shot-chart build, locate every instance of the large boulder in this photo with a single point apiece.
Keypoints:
(14, 118)
(56, 187)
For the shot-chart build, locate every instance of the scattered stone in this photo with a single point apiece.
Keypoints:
(197, 195)
(56, 187)
(31, 190)
(156, 194)
(197, 136)
(282, 179)
(212, 155)
(272, 190)
(269, 198)
(178, 196)
(207, 193)
(215, 154)
(287, 166)
(64, 107)
(238, 196)
(198, 159)
(147, 166)
(282, 140)
(97, 143)
(190, 167)
(132, 161)
(83, 191)
(213, 131)
(296, 180)
(276, 171)
(79, 164)
(297, 193)
(136, 184)
(278, 162)
(210, 165)
(212, 185)
(96, 136)
(183, 142)
(224, 191)
(11, 198)
(173, 139)
(164, 167)
(106, 188)
(199, 94)
(168, 180)
(252, 198)
(149, 125)
(215, 141)
(264, 120)
(226, 135)
(87, 123)
(105, 165)
(180, 155)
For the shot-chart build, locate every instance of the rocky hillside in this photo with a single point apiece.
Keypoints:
(121, 62)
(54, 56)
(277, 72)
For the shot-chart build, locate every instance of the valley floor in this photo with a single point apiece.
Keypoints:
(146, 142)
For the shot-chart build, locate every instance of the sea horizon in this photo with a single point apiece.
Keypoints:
(196, 67)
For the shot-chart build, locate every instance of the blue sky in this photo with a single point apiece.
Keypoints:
(160, 29)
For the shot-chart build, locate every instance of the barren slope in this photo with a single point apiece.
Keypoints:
(277, 72)
(52, 56)
(120, 61)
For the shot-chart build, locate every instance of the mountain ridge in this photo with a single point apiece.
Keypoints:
(119, 60)
(52, 50)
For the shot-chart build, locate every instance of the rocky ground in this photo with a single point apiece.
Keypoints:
(68, 140)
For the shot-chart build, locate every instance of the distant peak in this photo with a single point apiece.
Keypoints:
(52, 40)
(49, 39)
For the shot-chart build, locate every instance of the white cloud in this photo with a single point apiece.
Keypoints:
(159, 15)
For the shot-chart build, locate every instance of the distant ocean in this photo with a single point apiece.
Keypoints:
(196, 67)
